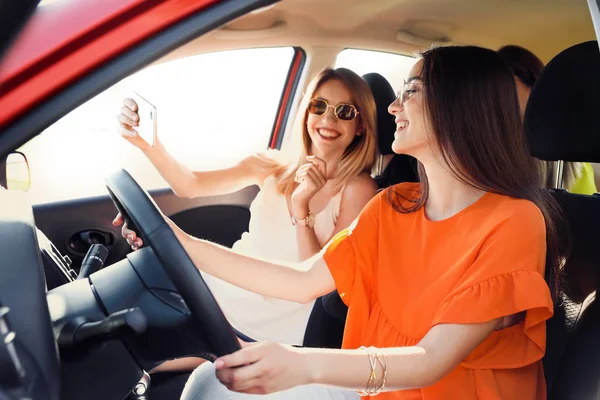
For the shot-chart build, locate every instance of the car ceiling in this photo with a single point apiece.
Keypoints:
(544, 26)
(324, 27)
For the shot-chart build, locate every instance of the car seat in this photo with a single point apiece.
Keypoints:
(561, 125)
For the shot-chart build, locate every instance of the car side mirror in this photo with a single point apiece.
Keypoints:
(14, 172)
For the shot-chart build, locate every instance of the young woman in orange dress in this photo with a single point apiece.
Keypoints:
(444, 279)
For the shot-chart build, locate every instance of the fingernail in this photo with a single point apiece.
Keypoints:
(219, 364)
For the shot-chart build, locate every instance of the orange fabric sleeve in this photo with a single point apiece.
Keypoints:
(506, 278)
(351, 254)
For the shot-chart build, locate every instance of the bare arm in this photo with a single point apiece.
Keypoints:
(186, 183)
(436, 355)
(307, 242)
(292, 282)
(270, 367)
(356, 195)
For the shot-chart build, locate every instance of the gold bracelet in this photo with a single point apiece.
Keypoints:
(372, 376)
(375, 358)
(383, 365)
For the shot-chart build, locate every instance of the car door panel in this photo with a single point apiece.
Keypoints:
(74, 225)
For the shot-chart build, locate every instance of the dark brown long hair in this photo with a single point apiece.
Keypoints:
(524, 64)
(471, 100)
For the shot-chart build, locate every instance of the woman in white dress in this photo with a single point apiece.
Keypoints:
(311, 190)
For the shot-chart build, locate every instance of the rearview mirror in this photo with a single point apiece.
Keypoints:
(14, 172)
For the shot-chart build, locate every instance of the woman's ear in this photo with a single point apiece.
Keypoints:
(360, 131)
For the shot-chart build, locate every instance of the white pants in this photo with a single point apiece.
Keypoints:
(203, 385)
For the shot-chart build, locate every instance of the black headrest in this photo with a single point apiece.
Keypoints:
(561, 119)
(384, 96)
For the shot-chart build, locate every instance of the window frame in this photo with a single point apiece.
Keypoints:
(286, 103)
(35, 119)
(291, 69)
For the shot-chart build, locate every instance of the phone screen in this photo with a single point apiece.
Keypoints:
(146, 128)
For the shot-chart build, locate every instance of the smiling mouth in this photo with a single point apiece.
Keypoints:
(328, 134)
(402, 124)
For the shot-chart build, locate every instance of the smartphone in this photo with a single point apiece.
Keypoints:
(146, 128)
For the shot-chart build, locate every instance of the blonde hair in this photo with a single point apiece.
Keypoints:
(571, 172)
(359, 155)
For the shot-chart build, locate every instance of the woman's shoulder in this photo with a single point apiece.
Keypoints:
(365, 186)
(516, 207)
(357, 191)
(362, 182)
(520, 215)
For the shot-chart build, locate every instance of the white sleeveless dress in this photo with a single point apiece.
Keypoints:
(271, 235)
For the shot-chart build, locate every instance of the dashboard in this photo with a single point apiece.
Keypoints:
(57, 267)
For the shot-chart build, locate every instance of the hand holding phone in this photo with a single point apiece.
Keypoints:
(147, 123)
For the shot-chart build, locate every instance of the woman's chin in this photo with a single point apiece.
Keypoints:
(327, 149)
(399, 148)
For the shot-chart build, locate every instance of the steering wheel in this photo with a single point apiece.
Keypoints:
(142, 215)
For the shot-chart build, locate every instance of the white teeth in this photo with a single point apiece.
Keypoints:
(403, 124)
(328, 133)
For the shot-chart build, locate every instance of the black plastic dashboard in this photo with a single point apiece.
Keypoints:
(37, 310)
(23, 293)
(57, 267)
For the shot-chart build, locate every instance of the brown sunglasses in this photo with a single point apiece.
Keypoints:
(344, 112)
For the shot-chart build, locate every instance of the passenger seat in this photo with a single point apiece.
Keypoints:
(562, 123)
(401, 168)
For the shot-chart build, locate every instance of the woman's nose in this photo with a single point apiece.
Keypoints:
(329, 114)
(395, 107)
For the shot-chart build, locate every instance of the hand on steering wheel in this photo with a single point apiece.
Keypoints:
(163, 238)
(132, 239)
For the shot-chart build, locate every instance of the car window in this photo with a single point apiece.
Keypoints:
(394, 67)
(212, 110)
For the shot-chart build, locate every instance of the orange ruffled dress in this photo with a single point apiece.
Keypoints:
(401, 274)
